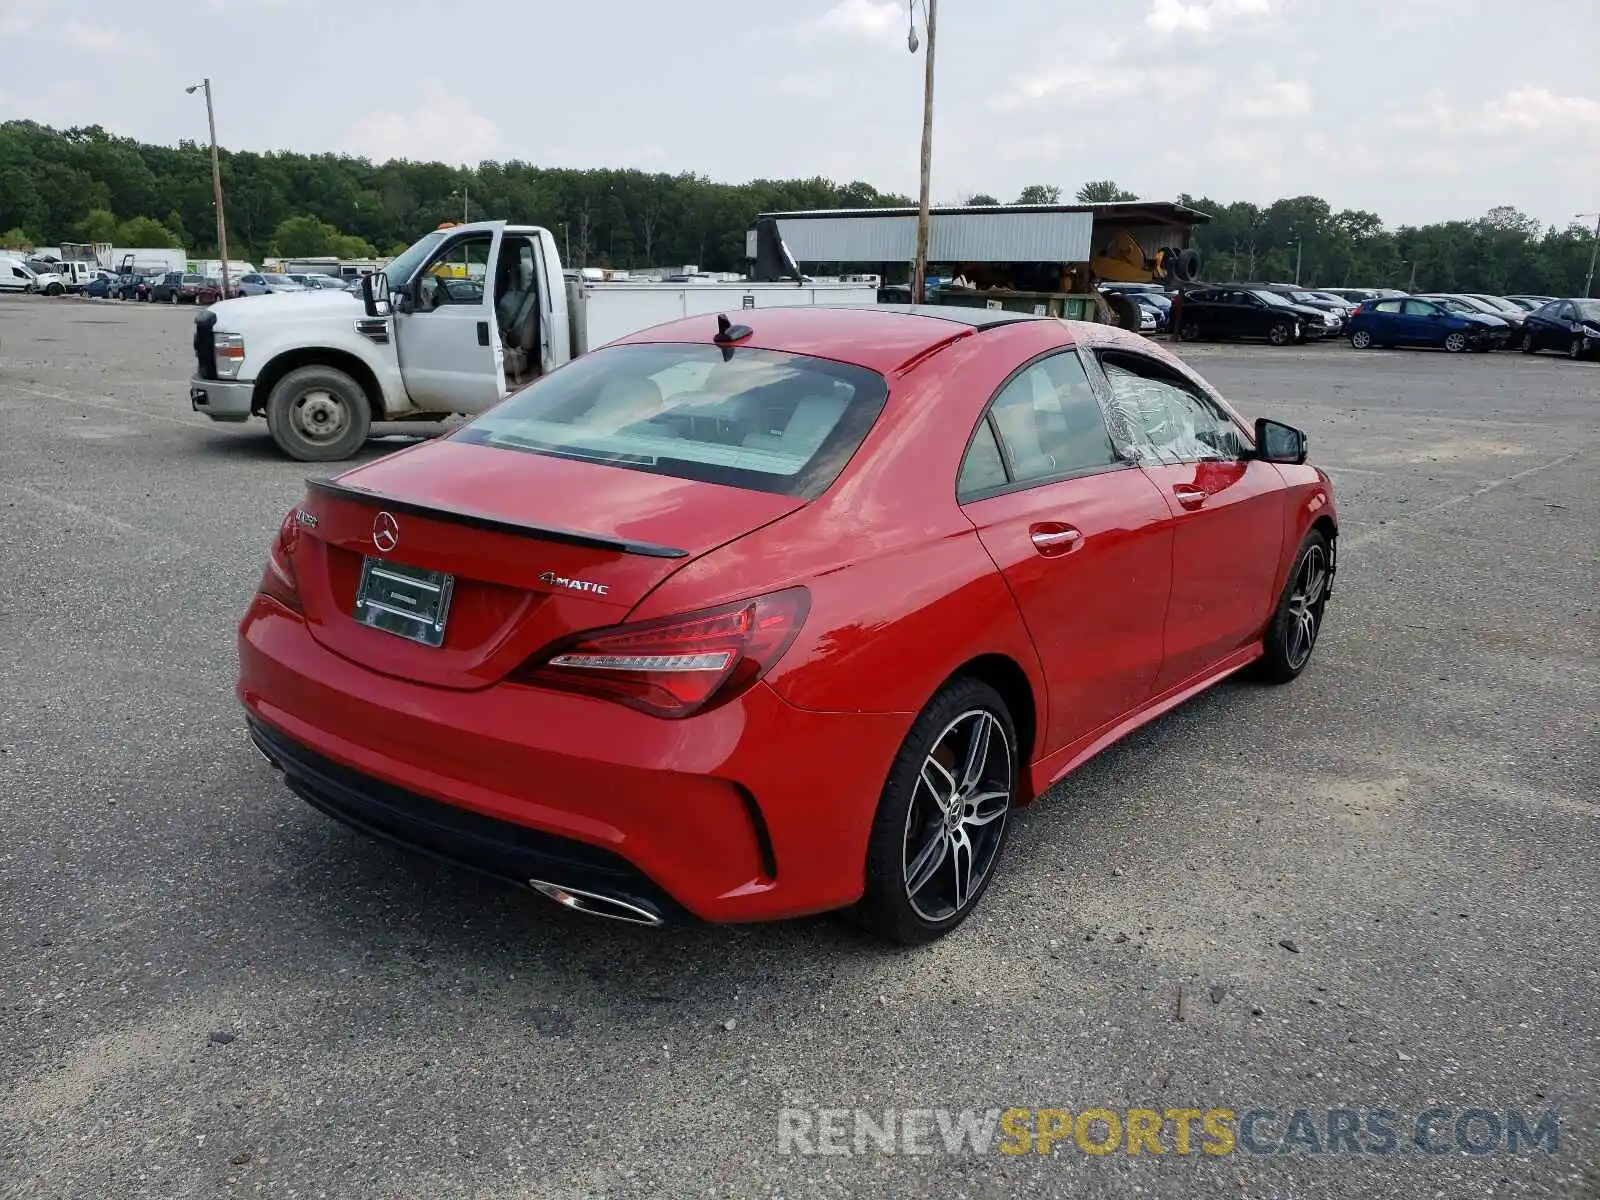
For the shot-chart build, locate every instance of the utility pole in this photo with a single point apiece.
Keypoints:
(216, 181)
(1299, 245)
(1594, 251)
(1412, 286)
(463, 194)
(919, 269)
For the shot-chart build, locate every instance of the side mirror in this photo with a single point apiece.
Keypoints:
(375, 294)
(1279, 443)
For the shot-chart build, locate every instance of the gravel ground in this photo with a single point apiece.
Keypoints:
(1375, 889)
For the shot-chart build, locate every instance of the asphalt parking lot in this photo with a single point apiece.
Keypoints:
(1375, 889)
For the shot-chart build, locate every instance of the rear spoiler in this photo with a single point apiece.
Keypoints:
(458, 516)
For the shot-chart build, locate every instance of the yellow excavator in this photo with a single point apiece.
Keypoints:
(1121, 259)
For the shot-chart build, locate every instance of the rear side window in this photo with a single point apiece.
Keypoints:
(983, 470)
(1050, 424)
(1388, 306)
(757, 419)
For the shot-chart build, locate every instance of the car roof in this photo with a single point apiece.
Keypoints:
(880, 337)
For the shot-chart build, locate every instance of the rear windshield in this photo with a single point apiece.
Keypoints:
(757, 419)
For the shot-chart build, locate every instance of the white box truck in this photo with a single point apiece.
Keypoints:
(465, 316)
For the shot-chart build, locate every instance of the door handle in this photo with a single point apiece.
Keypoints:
(1054, 538)
(1189, 495)
(483, 333)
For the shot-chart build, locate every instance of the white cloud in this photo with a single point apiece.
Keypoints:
(1538, 110)
(1269, 99)
(104, 39)
(881, 21)
(443, 128)
(1203, 16)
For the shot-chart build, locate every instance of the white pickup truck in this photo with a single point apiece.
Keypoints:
(461, 319)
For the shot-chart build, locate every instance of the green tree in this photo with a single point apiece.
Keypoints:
(1103, 191)
(148, 233)
(99, 226)
(1039, 193)
(348, 245)
(980, 199)
(303, 237)
(16, 239)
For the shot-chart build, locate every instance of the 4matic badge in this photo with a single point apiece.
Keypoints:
(551, 579)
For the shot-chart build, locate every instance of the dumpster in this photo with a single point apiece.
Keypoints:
(1068, 305)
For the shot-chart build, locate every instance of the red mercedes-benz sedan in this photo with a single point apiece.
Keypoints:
(743, 622)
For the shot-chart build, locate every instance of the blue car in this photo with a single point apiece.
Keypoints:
(100, 286)
(1410, 321)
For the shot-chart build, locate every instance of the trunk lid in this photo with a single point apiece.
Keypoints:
(537, 548)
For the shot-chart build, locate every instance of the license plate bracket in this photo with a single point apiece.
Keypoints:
(409, 602)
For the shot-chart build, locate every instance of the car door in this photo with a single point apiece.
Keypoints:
(1424, 323)
(1083, 539)
(1541, 324)
(1388, 322)
(1253, 316)
(446, 334)
(1227, 512)
(1564, 327)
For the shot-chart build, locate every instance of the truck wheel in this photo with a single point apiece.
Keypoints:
(318, 414)
(55, 289)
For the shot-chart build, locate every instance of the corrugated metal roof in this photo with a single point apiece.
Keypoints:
(1121, 210)
(952, 237)
(1002, 233)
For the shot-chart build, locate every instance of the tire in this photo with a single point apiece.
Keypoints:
(55, 289)
(1575, 349)
(1297, 620)
(1281, 334)
(1189, 331)
(1455, 342)
(914, 830)
(1361, 340)
(1528, 346)
(318, 414)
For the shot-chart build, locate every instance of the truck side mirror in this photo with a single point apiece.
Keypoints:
(375, 294)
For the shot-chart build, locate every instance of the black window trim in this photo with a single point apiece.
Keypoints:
(1183, 382)
(1013, 484)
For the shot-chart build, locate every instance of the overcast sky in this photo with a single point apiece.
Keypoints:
(1417, 109)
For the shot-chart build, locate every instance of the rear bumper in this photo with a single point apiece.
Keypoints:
(222, 399)
(514, 853)
(752, 811)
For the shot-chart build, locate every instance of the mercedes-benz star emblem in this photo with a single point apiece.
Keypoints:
(385, 532)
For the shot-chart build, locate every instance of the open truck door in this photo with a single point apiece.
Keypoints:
(447, 336)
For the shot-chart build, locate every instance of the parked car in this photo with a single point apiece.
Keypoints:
(134, 287)
(1416, 321)
(1158, 306)
(1258, 312)
(1529, 303)
(327, 283)
(1571, 326)
(1507, 312)
(1361, 295)
(259, 284)
(1501, 305)
(101, 287)
(738, 572)
(175, 287)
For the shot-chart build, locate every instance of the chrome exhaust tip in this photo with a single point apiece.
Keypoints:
(262, 750)
(595, 905)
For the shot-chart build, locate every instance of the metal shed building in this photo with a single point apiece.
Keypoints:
(1009, 233)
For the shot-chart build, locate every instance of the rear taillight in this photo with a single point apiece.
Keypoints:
(278, 580)
(676, 666)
